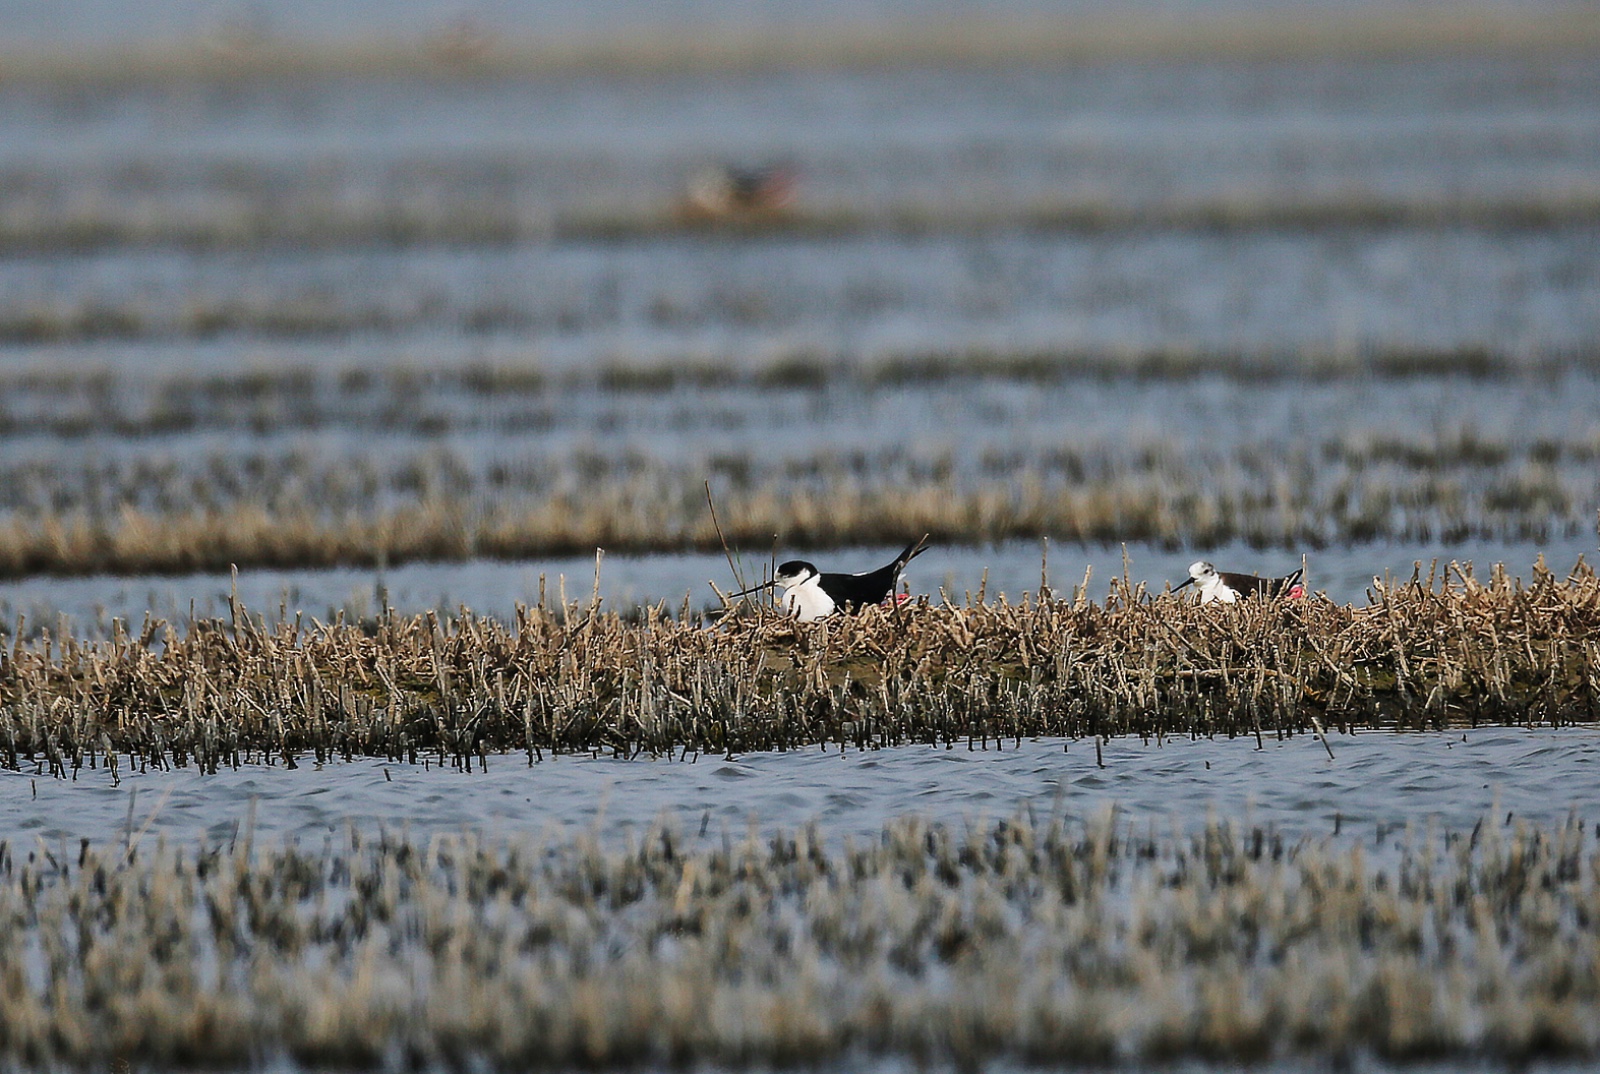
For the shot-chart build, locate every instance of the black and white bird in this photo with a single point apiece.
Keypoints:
(810, 594)
(1228, 586)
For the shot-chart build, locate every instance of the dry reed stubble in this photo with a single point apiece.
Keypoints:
(1431, 653)
(1060, 943)
(445, 513)
(278, 505)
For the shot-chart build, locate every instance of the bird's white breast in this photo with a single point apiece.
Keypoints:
(1214, 588)
(807, 601)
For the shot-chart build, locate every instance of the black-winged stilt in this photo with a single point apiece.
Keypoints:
(1229, 586)
(810, 594)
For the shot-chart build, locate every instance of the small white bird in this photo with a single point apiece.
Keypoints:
(1229, 586)
(809, 595)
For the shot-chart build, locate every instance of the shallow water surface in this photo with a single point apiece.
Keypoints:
(1375, 786)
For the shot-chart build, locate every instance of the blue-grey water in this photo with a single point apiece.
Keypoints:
(164, 159)
(1375, 788)
(128, 206)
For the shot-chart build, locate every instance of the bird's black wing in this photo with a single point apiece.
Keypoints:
(1245, 584)
(870, 587)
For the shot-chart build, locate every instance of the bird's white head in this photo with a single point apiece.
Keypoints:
(1207, 582)
(1210, 584)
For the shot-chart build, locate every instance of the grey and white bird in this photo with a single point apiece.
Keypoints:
(1229, 586)
(810, 594)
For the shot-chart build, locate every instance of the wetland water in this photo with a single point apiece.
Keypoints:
(1386, 259)
(1208, 204)
(1304, 216)
(331, 297)
(1243, 305)
(396, 845)
(1376, 786)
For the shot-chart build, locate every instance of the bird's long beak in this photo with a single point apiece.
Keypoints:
(1183, 583)
(754, 589)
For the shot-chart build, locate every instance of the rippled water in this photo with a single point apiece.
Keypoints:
(166, 160)
(972, 427)
(1375, 787)
(861, 297)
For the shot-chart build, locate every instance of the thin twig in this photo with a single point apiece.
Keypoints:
(738, 575)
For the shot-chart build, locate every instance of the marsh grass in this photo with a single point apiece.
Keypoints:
(503, 461)
(288, 508)
(1438, 651)
(1034, 941)
(638, 516)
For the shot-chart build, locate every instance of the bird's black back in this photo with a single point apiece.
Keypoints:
(1245, 584)
(873, 587)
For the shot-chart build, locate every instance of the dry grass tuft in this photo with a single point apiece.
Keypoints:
(1432, 653)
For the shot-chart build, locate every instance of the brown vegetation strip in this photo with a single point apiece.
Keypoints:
(317, 227)
(1039, 943)
(663, 510)
(639, 519)
(518, 484)
(78, 402)
(1429, 654)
